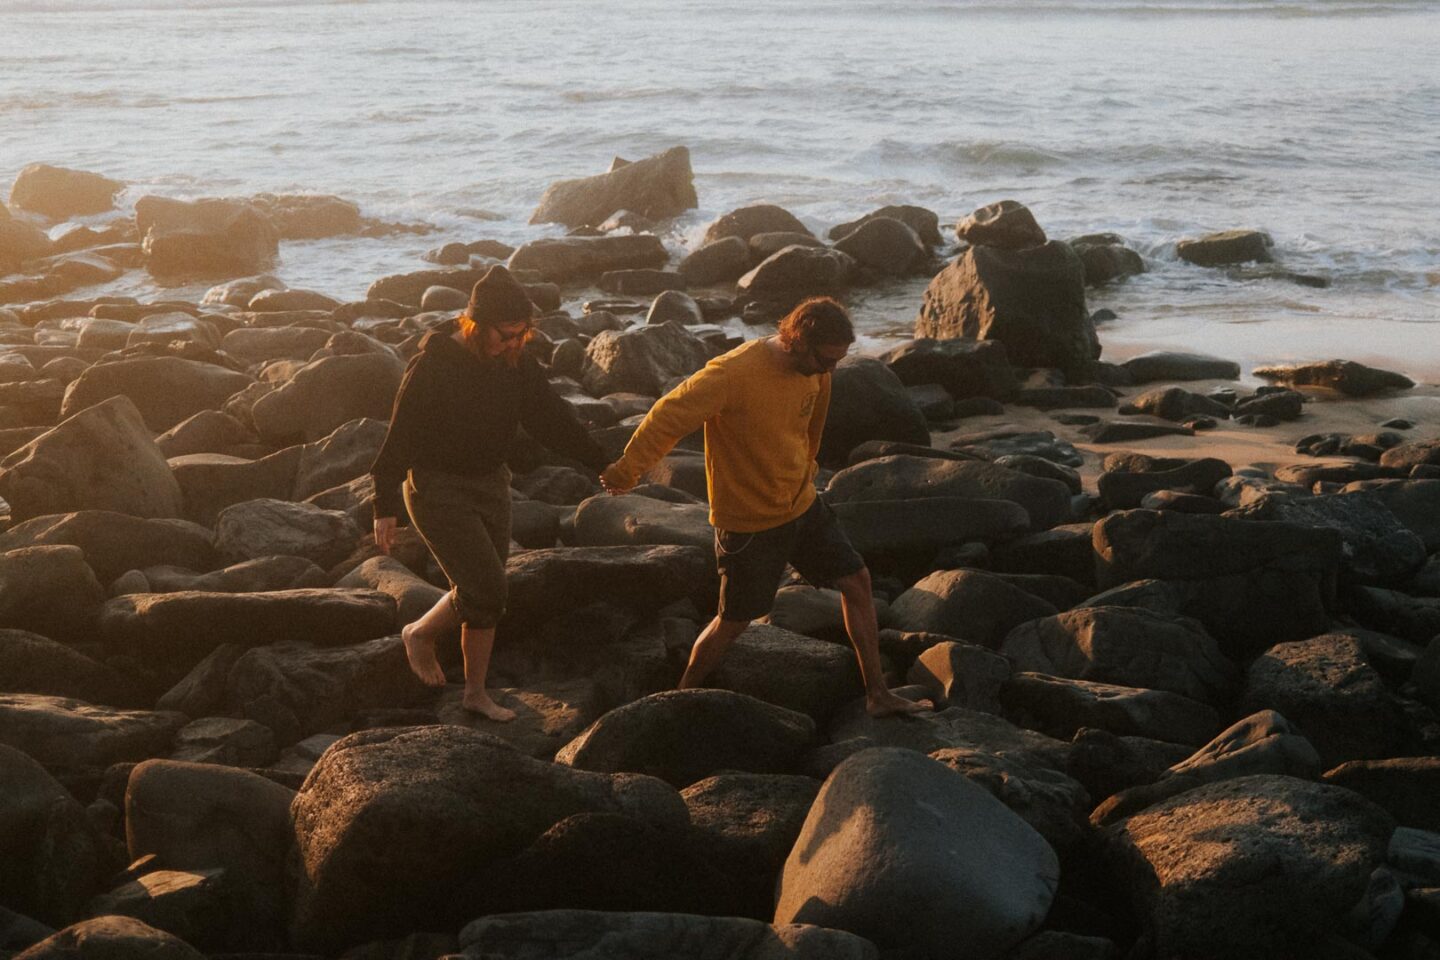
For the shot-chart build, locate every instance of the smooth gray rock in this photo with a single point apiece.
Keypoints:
(968, 604)
(900, 476)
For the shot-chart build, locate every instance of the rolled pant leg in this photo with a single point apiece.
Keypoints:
(465, 521)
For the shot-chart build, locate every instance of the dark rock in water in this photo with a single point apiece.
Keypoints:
(871, 859)
(1231, 246)
(1173, 403)
(194, 816)
(642, 359)
(1253, 584)
(904, 477)
(886, 245)
(49, 589)
(1335, 698)
(1180, 366)
(171, 632)
(1106, 258)
(1378, 548)
(1060, 707)
(60, 193)
(1031, 300)
(1127, 431)
(1125, 646)
(102, 458)
(204, 238)
(1255, 866)
(1405, 787)
(1407, 456)
(309, 216)
(1122, 490)
(684, 736)
(1348, 377)
(587, 933)
(437, 803)
(166, 390)
(575, 259)
(966, 368)
(72, 738)
(924, 222)
(868, 402)
(55, 860)
(675, 305)
(657, 188)
(1007, 224)
(113, 936)
(114, 542)
(717, 261)
(746, 222)
(795, 272)
(1398, 423)
(968, 604)
(640, 283)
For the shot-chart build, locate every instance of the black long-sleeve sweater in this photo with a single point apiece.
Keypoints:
(457, 413)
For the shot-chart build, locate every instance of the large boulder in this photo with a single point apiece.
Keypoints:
(1227, 247)
(263, 528)
(1346, 376)
(796, 271)
(717, 261)
(746, 222)
(264, 344)
(166, 390)
(111, 937)
(71, 738)
(1051, 802)
(965, 368)
(199, 816)
(327, 393)
(1007, 224)
(1106, 258)
(1127, 646)
(60, 193)
(748, 822)
(683, 736)
(1251, 583)
(115, 542)
(885, 245)
(1415, 503)
(392, 824)
(952, 727)
(868, 402)
(777, 666)
(171, 632)
(912, 856)
(642, 359)
(629, 520)
(210, 482)
(206, 238)
(903, 477)
(579, 259)
(1326, 686)
(52, 860)
(969, 604)
(1061, 708)
(597, 934)
(1170, 365)
(49, 589)
(925, 223)
(309, 216)
(547, 583)
(1252, 867)
(1032, 300)
(30, 663)
(656, 188)
(102, 458)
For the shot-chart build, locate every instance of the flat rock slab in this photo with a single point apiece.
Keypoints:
(1062, 707)
(71, 736)
(1127, 431)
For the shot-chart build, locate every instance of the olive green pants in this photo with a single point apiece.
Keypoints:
(465, 521)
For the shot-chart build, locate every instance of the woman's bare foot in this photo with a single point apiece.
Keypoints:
(420, 651)
(480, 702)
(889, 704)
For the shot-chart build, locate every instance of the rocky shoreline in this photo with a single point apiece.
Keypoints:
(1184, 636)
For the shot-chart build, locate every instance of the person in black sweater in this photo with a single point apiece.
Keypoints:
(444, 458)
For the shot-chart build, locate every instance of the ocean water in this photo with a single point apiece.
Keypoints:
(1317, 121)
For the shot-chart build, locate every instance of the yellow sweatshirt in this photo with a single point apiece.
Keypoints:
(763, 421)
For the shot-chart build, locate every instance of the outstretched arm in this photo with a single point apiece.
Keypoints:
(674, 416)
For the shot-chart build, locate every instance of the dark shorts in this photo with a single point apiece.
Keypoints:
(751, 564)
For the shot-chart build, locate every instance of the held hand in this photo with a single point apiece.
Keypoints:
(612, 484)
(385, 533)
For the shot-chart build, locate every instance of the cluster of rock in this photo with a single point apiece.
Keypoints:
(1190, 713)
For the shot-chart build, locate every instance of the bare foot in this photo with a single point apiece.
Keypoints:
(481, 703)
(890, 704)
(420, 651)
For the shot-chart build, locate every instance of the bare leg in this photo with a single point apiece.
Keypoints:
(476, 643)
(858, 605)
(420, 636)
(709, 648)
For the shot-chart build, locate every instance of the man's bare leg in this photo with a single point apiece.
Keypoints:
(857, 604)
(476, 643)
(420, 637)
(709, 649)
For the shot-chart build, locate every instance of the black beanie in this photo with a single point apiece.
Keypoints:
(498, 298)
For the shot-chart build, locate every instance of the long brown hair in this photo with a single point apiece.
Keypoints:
(816, 320)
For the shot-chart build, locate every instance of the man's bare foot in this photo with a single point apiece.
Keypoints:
(420, 651)
(890, 704)
(480, 702)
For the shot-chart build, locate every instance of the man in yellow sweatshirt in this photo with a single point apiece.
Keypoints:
(763, 408)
